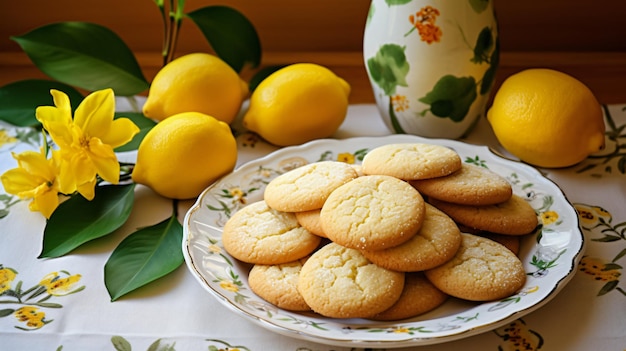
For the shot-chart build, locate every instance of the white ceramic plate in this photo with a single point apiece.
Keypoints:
(550, 257)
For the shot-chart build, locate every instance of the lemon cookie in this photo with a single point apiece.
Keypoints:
(307, 187)
(512, 217)
(435, 243)
(418, 297)
(482, 270)
(411, 161)
(372, 213)
(470, 185)
(340, 282)
(277, 284)
(261, 235)
(311, 221)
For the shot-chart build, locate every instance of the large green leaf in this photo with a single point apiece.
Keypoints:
(84, 55)
(143, 257)
(389, 68)
(144, 123)
(231, 35)
(451, 97)
(77, 220)
(19, 100)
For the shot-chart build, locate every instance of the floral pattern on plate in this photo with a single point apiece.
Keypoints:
(550, 255)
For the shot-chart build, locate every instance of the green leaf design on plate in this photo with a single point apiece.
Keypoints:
(19, 100)
(144, 123)
(231, 35)
(78, 220)
(143, 257)
(479, 5)
(451, 97)
(85, 55)
(389, 68)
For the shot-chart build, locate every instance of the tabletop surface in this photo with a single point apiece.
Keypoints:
(177, 313)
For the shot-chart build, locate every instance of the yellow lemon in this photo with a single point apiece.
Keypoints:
(184, 154)
(197, 82)
(547, 118)
(298, 103)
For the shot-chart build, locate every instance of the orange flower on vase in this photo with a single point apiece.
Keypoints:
(424, 21)
(400, 103)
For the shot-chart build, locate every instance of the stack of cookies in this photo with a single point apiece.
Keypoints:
(389, 240)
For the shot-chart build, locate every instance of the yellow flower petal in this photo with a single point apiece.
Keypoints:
(104, 161)
(95, 113)
(87, 190)
(121, 132)
(45, 203)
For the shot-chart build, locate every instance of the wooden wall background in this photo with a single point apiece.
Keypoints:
(584, 38)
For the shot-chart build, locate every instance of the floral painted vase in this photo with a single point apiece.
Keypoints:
(431, 63)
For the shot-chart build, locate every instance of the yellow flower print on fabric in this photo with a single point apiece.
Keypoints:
(31, 316)
(517, 336)
(60, 286)
(5, 138)
(7, 275)
(27, 304)
(592, 216)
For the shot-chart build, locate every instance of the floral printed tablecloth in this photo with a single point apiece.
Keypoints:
(62, 303)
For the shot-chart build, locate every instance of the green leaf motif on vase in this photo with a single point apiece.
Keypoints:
(85, 55)
(389, 68)
(451, 97)
(397, 2)
(479, 5)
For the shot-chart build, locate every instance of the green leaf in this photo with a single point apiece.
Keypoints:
(120, 344)
(451, 97)
(389, 68)
(19, 100)
(85, 55)
(490, 75)
(231, 35)
(484, 44)
(143, 257)
(479, 5)
(261, 75)
(6, 312)
(144, 124)
(77, 220)
(397, 2)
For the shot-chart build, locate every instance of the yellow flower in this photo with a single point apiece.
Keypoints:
(346, 157)
(36, 177)
(6, 277)
(401, 330)
(31, 315)
(6, 138)
(87, 141)
(590, 216)
(228, 285)
(57, 286)
(549, 217)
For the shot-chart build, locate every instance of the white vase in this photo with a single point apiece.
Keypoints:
(431, 63)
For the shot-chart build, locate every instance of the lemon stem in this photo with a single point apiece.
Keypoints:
(172, 17)
(175, 208)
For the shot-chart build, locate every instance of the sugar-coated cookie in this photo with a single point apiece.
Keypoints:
(372, 213)
(410, 161)
(512, 217)
(482, 270)
(340, 282)
(470, 185)
(261, 235)
(311, 221)
(435, 243)
(277, 284)
(418, 297)
(307, 187)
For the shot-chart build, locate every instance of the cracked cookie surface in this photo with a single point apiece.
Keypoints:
(340, 282)
(261, 235)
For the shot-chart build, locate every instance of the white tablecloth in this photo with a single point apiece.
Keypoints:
(176, 311)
